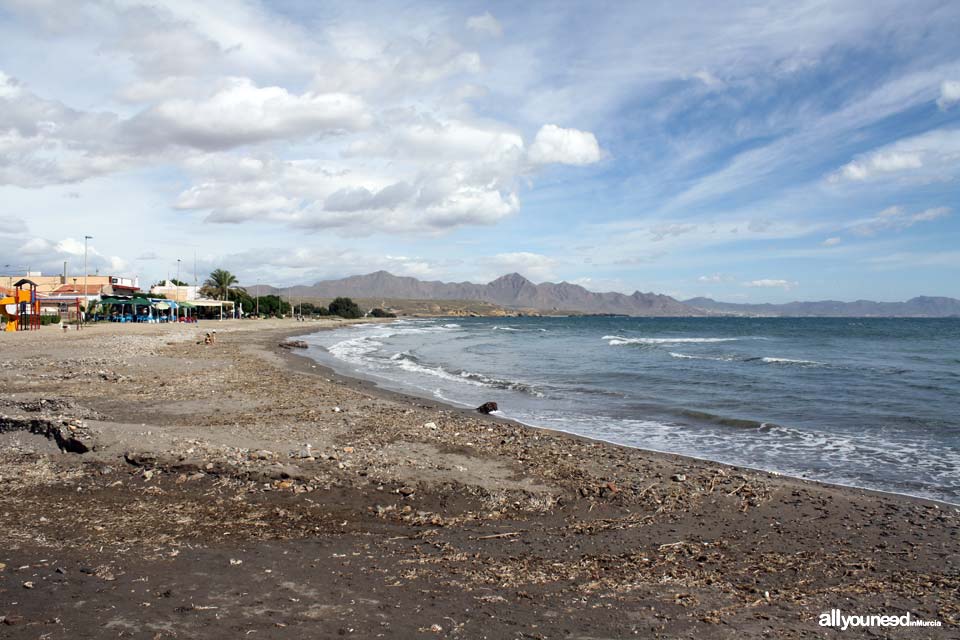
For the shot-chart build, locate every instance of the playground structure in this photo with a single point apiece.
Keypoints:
(21, 309)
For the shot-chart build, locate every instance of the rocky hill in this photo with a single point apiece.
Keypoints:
(511, 291)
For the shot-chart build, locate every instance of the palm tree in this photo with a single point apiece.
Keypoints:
(221, 282)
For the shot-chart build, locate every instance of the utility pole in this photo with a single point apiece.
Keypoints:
(257, 302)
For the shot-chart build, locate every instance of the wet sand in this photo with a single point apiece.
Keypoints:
(188, 505)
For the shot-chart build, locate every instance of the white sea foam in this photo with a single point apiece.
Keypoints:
(451, 325)
(499, 328)
(809, 363)
(616, 341)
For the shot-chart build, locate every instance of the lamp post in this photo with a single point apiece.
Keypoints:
(178, 289)
(258, 298)
(86, 300)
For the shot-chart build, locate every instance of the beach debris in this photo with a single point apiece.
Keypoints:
(488, 407)
(406, 491)
(28, 585)
(678, 477)
(430, 425)
(294, 344)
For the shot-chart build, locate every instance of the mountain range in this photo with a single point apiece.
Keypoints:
(516, 292)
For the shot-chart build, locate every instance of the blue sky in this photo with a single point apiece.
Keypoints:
(747, 152)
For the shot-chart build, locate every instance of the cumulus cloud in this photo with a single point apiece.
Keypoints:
(37, 253)
(240, 112)
(897, 219)
(949, 94)
(485, 24)
(771, 283)
(554, 144)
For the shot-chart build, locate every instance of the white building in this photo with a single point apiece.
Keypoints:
(173, 292)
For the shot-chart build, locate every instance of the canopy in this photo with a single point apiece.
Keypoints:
(161, 305)
(139, 302)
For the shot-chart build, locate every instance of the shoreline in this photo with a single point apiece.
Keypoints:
(198, 509)
(368, 385)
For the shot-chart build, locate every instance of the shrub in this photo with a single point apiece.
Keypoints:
(345, 308)
(380, 313)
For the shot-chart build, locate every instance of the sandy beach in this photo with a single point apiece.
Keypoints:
(152, 486)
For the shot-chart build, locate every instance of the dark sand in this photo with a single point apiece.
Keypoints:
(197, 512)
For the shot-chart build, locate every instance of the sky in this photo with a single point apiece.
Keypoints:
(749, 151)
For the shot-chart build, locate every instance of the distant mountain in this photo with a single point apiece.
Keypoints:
(920, 307)
(516, 292)
(512, 290)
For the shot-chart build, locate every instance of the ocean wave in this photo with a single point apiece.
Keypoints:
(805, 363)
(499, 328)
(683, 356)
(451, 325)
(410, 363)
(616, 341)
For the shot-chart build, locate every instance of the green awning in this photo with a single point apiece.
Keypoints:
(140, 302)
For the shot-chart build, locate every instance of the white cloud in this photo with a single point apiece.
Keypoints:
(708, 78)
(715, 278)
(770, 283)
(241, 113)
(831, 242)
(485, 24)
(949, 94)
(934, 155)
(554, 144)
(897, 219)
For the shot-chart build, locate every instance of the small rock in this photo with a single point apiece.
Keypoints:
(348, 449)
(430, 425)
(235, 562)
(678, 477)
(407, 491)
(28, 585)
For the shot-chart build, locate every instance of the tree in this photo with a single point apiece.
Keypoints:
(272, 305)
(345, 308)
(220, 284)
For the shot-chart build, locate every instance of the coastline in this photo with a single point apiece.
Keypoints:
(508, 521)
(301, 362)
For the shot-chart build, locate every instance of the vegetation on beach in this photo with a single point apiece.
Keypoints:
(223, 285)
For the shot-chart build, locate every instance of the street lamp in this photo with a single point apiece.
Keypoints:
(178, 289)
(86, 300)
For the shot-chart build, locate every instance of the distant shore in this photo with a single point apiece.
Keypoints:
(198, 509)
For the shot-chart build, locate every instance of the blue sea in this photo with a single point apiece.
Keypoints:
(872, 403)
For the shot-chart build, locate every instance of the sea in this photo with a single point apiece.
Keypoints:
(864, 402)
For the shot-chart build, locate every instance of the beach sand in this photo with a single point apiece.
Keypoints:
(190, 507)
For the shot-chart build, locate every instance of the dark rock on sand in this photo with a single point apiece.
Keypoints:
(487, 407)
